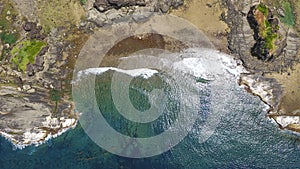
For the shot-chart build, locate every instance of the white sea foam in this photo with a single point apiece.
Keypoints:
(193, 66)
(143, 72)
(204, 63)
(284, 121)
(261, 89)
(210, 64)
(189, 62)
(39, 137)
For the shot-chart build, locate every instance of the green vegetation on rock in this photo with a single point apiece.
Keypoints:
(83, 2)
(25, 52)
(55, 95)
(7, 33)
(7, 10)
(263, 9)
(9, 38)
(289, 18)
(6, 24)
(269, 35)
(267, 31)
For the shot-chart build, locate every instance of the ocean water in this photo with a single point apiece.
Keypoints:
(243, 138)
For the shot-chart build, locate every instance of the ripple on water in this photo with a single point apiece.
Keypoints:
(244, 138)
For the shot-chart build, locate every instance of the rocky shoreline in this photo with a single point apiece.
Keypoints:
(36, 103)
(35, 98)
(27, 120)
(107, 12)
(241, 41)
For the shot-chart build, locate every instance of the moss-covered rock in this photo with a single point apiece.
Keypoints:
(266, 28)
(8, 34)
(25, 53)
(289, 17)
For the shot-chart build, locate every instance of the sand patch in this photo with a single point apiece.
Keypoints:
(290, 103)
(206, 15)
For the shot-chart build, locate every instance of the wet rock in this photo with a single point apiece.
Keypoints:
(268, 89)
(21, 115)
(242, 38)
(285, 121)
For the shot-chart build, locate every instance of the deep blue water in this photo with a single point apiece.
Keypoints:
(244, 138)
(255, 143)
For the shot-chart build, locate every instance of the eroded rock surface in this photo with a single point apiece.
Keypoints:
(241, 39)
(26, 119)
(103, 12)
(244, 37)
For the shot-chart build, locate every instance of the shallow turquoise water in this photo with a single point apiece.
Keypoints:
(245, 138)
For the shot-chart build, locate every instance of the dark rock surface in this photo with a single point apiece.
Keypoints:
(259, 49)
(104, 5)
(241, 40)
(34, 31)
(274, 80)
(28, 26)
(121, 3)
(106, 12)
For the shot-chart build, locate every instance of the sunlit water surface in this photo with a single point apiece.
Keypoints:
(244, 137)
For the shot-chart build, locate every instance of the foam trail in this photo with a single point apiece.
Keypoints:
(143, 72)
